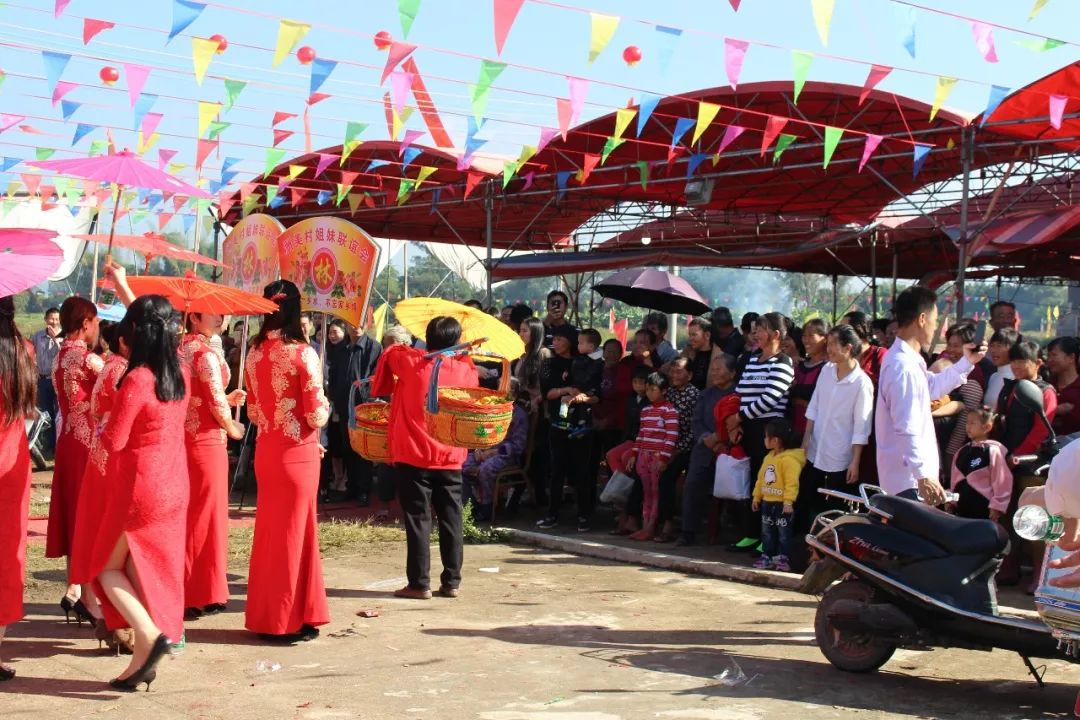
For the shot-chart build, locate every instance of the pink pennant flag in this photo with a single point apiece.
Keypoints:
(202, 151)
(62, 88)
(136, 79)
(281, 117)
(772, 129)
(589, 163)
(735, 7)
(225, 202)
(164, 156)
(92, 27)
(9, 121)
(872, 141)
(178, 202)
(734, 54)
(731, 132)
(324, 162)
(1057, 110)
(59, 7)
(529, 177)
(984, 40)
(245, 190)
(400, 87)
(579, 87)
(31, 182)
(546, 135)
(876, 75)
(149, 125)
(398, 52)
(410, 137)
(506, 12)
(562, 105)
(281, 136)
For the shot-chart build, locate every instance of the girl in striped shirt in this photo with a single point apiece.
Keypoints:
(652, 450)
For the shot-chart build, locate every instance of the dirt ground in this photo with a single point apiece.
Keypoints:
(534, 636)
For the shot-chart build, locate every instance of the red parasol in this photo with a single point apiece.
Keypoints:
(152, 245)
(194, 295)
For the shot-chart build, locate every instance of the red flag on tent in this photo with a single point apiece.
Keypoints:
(621, 329)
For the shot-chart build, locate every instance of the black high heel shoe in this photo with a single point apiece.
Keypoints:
(67, 606)
(82, 613)
(6, 672)
(147, 673)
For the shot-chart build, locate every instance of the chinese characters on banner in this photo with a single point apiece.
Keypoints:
(333, 262)
(250, 253)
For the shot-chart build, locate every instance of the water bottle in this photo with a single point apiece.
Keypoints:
(1032, 522)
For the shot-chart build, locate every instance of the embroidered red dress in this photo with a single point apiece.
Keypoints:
(74, 373)
(95, 482)
(208, 471)
(14, 511)
(146, 499)
(287, 405)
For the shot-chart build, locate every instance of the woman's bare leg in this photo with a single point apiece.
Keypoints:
(117, 583)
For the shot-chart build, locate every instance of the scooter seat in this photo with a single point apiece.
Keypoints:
(958, 535)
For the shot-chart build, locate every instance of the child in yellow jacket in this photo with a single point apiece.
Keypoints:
(775, 492)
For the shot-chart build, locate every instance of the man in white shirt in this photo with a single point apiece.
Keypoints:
(907, 452)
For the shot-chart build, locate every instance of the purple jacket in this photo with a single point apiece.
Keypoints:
(517, 437)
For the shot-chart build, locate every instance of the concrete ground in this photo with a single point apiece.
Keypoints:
(536, 635)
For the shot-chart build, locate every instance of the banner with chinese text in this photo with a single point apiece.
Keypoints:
(250, 253)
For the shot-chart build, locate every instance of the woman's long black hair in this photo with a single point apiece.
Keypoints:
(151, 331)
(287, 317)
(18, 375)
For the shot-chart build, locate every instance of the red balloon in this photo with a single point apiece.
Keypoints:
(222, 43)
(305, 54)
(383, 39)
(631, 55)
(109, 75)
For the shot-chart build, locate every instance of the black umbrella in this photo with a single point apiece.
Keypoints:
(653, 289)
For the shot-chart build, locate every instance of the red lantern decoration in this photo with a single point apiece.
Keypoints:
(109, 75)
(383, 40)
(222, 43)
(631, 55)
(305, 55)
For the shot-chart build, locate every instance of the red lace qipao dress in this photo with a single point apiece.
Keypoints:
(95, 483)
(14, 511)
(74, 373)
(287, 404)
(208, 471)
(147, 498)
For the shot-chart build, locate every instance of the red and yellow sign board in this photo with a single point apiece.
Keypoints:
(333, 262)
(250, 253)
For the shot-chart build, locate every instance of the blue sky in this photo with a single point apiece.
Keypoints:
(551, 39)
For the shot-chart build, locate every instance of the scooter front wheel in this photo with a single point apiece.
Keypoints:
(849, 651)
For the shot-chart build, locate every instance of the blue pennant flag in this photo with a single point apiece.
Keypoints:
(228, 163)
(154, 198)
(918, 158)
(695, 162)
(188, 220)
(435, 195)
(141, 194)
(323, 197)
(54, 67)
(410, 154)
(997, 94)
(184, 12)
(142, 106)
(81, 131)
(320, 70)
(682, 125)
(906, 24)
(645, 110)
(278, 201)
(667, 39)
(215, 186)
(472, 145)
(378, 164)
(227, 177)
(561, 178)
(8, 163)
(68, 108)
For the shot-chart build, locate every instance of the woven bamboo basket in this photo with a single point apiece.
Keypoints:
(368, 433)
(473, 418)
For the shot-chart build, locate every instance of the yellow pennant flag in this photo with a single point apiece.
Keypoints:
(706, 112)
(1036, 9)
(142, 146)
(202, 52)
(400, 120)
(623, 118)
(944, 87)
(424, 174)
(378, 320)
(603, 29)
(174, 168)
(288, 34)
(208, 112)
(295, 171)
(354, 200)
(527, 151)
(823, 10)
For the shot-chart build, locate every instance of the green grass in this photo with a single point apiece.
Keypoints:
(336, 538)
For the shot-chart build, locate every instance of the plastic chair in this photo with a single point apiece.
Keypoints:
(520, 472)
(34, 428)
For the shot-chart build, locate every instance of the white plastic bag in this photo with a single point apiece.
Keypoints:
(732, 478)
(618, 488)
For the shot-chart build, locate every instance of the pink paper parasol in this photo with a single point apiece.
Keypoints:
(153, 245)
(28, 257)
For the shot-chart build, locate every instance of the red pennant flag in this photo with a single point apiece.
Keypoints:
(92, 27)
(281, 117)
(203, 151)
(471, 181)
(876, 75)
(225, 202)
(281, 136)
(398, 52)
(317, 98)
(735, 4)
(245, 190)
(370, 201)
(31, 182)
(163, 220)
(772, 129)
(589, 163)
(348, 177)
(178, 202)
(506, 12)
(562, 105)
(622, 330)
(297, 196)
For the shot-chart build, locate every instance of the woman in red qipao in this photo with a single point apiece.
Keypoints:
(206, 589)
(137, 553)
(74, 374)
(18, 387)
(428, 472)
(286, 596)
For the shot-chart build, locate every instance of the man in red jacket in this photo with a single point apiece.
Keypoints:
(428, 472)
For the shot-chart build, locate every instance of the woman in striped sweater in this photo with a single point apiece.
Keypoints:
(763, 390)
(655, 444)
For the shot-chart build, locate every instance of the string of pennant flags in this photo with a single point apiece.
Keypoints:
(403, 81)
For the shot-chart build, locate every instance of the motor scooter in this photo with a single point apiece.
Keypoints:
(912, 576)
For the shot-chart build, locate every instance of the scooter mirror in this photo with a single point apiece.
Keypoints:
(1030, 396)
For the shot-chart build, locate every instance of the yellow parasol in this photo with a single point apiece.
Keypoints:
(415, 314)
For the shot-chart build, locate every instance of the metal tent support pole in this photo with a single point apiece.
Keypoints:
(405, 269)
(873, 276)
(999, 287)
(215, 274)
(834, 318)
(489, 237)
(966, 147)
(895, 273)
(673, 321)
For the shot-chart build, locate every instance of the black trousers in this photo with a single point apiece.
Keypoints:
(753, 443)
(669, 491)
(573, 460)
(418, 490)
(697, 498)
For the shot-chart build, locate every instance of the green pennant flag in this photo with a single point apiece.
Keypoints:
(782, 144)
(73, 195)
(233, 88)
(643, 173)
(404, 189)
(44, 153)
(3, 77)
(137, 216)
(510, 168)
(7, 207)
(216, 128)
(61, 184)
(127, 197)
(342, 192)
(800, 68)
(97, 147)
(273, 158)
(407, 10)
(609, 147)
(352, 130)
(1040, 45)
(271, 193)
(832, 139)
(489, 71)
